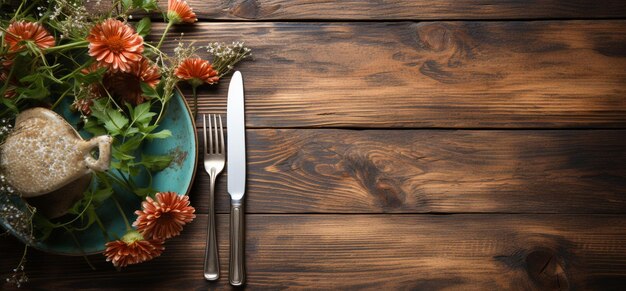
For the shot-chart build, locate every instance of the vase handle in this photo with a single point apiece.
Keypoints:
(103, 143)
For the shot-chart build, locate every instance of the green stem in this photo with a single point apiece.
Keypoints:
(6, 84)
(157, 50)
(60, 98)
(119, 208)
(80, 247)
(102, 228)
(119, 182)
(64, 225)
(17, 13)
(23, 259)
(167, 28)
(110, 97)
(51, 74)
(163, 102)
(127, 180)
(195, 102)
(77, 44)
(75, 71)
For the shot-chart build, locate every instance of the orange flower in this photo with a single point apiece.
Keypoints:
(21, 31)
(115, 45)
(197, 71)
(133, 248)
(165, 217)
(126, 86)
(179, 11)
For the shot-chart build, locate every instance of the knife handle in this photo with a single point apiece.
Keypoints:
(237, 269)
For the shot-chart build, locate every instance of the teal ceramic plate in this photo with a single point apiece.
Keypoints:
(178, 177)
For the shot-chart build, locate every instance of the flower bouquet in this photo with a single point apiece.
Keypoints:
(96, 68)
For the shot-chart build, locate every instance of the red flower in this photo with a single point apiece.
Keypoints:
(123, 86)
(126, 86)
(165, 217)
(133, 248)
(115, 45)
(179, 11)
(197, 71)
(22, 31)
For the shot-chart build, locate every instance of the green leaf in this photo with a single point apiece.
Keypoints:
(160, 135)
(102, 194)
(150, 5)
(116, 165)
(143, 192)
(94, 128)
(130, 145)
(121, 156)
(142, 114)
(35, 90)
(131, 131)
(156, 163)
(91, 218)
(127, 4)
(99, 109)
(116, 122)
(36, 77)
(9, 103)
(143, 26)
(148, 91)
(150, 128)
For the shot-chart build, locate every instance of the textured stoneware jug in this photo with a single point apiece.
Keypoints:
(47, 161)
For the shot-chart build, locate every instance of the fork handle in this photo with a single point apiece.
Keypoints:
(237, 269)
(211, 260)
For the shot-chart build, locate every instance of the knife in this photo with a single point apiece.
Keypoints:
(236, 127)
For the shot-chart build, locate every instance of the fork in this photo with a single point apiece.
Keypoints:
(214, 160)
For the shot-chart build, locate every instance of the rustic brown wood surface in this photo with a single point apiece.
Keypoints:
(411, 145)
(421, 171)
(428, 74)
(246, 10)
(378, 252)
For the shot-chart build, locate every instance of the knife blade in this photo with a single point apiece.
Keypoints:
(236, 154)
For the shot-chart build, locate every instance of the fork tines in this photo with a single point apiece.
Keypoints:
(216, 133)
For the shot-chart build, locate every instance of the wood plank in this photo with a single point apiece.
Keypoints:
(421, 171)
(379, 252)
(534, 74)
(402, 9)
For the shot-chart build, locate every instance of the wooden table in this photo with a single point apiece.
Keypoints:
(449, 144)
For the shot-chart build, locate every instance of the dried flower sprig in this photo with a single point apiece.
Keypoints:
(20, 220)
(18, 276)
(70, 18)
(226, 56)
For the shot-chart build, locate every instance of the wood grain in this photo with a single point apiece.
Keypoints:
(380, 252)
(538, 74)
(247, 10)
(422, 171)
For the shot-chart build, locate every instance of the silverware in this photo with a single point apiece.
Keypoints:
(214, 160)
(236, 177)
